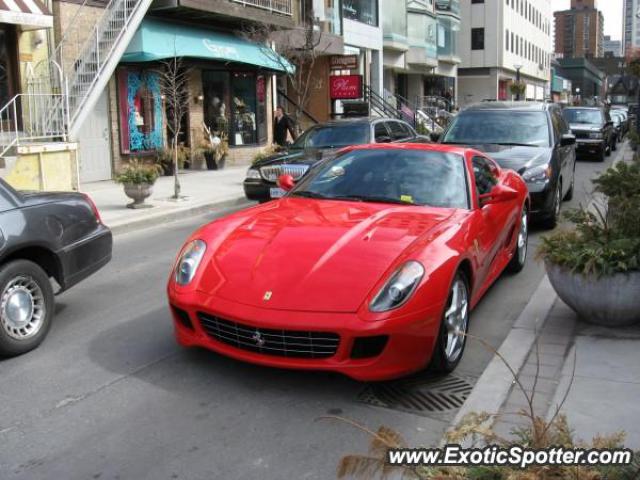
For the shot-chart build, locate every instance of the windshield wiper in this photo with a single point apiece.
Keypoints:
(307, 194)
(515, 144)
(376, 199)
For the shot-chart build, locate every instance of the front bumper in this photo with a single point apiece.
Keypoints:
(411, 337)
(593, 147)
(541, 196)
(257, 189)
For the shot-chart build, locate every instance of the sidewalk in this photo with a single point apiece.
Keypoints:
(549, 338)
(204, 190)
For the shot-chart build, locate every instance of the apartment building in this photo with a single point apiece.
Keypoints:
(421, 48)
(612, 48)
(580, 30)
(502, 42)
(631, 36)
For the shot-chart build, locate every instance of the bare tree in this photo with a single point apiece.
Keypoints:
(174, 82)
(295, 52)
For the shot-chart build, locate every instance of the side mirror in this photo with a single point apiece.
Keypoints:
(383, 139)
(286, 182)
(499, 193)
(567, 139)
(435, 136)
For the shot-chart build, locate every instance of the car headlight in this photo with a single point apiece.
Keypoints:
(595, 135)
(188, 261)
(252, 173)
(540, 173)
(399, 287)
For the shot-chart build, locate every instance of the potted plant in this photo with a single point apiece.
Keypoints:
(518, 88)
(138, 179)
(164, 160)
(595, 266)
(215, 148)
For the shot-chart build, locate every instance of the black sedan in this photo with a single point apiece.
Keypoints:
(320, 142)
(45, 239)
(531, 138)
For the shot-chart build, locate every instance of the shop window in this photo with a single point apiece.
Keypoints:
(365, 11)
(141, 119)
(235, 104)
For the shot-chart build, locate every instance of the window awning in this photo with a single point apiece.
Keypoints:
(157, 40)
(29, 14)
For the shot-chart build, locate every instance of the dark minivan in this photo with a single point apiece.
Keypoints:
(531, 138)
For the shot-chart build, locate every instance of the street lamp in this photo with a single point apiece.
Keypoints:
(518, 67)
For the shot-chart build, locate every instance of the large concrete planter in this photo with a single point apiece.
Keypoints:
(611, 301)
(138, 192)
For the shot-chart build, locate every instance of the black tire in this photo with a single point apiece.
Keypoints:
(601, 154)
(553, 216)
(441, 362)
(614, 146)
(20, 281)
(607, 149)
(519, 258)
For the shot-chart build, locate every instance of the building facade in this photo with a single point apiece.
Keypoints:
(631, 26)
(503, 41)
(579, 31)
(421, 49)
(612, 47)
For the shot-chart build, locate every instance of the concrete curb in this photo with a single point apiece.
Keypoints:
(158, 218)
(493, 387)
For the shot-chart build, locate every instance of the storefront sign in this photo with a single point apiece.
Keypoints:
(344, 62)
(221, 51)
(343, 87)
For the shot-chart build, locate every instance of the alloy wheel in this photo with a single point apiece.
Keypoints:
(558, 201)
(22, 308)
(456, 319)
(523, 237)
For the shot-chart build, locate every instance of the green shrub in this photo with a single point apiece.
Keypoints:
(605, 239)
(138, 173)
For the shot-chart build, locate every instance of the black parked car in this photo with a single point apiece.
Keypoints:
(43, 237)
(619, 119)
(531, 138)
(594, 130)
(320, 142)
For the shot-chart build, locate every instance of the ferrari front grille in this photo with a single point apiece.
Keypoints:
(272, 172)
(280, 343)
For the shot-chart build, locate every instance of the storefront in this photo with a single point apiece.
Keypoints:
(228, 89)
(8, 63)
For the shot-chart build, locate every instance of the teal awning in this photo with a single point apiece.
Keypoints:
(158, 40)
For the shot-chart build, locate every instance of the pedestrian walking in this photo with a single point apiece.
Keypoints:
(282, 124)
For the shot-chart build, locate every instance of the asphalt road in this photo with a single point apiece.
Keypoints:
(109, 395)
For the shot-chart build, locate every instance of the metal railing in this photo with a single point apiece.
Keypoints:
(31, 117)
(96, 51)
(283, 7)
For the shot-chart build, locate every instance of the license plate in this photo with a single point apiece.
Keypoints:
(276, 192)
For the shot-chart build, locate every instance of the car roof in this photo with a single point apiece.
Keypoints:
(431, 147)
(514, 106)
(356, 120)
(584, 108)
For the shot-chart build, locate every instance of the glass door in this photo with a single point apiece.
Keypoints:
(7, 62)
(215, 86)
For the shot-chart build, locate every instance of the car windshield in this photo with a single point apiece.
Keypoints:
(582, 115)
(334, 136)
(503, 127)
(413, 177)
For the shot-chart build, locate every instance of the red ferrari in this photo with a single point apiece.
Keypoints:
(368, 266)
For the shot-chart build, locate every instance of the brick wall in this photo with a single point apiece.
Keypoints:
(77, 27)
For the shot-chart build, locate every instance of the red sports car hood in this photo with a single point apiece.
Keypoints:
(300, 254)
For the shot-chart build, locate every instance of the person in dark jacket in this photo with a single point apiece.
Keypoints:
(282, 124)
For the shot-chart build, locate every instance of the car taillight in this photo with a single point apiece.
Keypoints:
(93, 207)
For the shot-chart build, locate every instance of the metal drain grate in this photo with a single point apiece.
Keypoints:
(420, 395)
